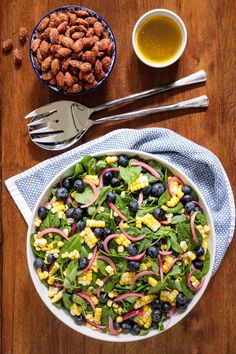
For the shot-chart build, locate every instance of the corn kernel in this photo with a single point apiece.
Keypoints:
(152, 281)
(140, 183)
(121, 249)
(145, 300)
(92, 178)
(111, 159)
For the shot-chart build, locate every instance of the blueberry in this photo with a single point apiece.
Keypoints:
(107, 178)
(166, 307)
(126, 326)
(115, 182)
(77, 214)
(83, 262)
(69, 213)
(182, 307)
(100, 244)
(80, 225)
(190, 206)
(181, 299)
(79, 320)
(186, 190)
(159, 243)
(50, 258)
(133, 249)
(79, 185)
(45, 267)
(111, 197)
(159, 214)
(123, 160)
(108, 232)
(186, 199)
(66, 183)
(116, 325)
(42, 212)
(38, 263)
(156, 315)
(199, 251)
(133, 265)
(99, 232)
(62, 193)
(152, 251)
(135, 329)
(198, 264)
(156, 304)
(103, 297)
(133, 206)
(157, 189)
(147, 190)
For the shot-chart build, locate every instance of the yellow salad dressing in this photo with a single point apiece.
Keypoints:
(159, 39)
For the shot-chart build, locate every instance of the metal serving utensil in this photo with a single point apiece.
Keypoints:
(59, 125)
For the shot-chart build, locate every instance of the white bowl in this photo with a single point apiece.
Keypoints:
(165, 13)
(63, 316)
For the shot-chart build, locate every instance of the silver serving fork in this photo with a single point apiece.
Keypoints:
(58, 125)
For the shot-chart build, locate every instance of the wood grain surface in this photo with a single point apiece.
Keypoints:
(27, 327)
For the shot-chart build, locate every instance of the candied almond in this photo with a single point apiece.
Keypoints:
(36, 63)
(110, 49)
(78, 46)
(22, 34)
(75, 63)
(35, 44)
(45, 34)
(54, 48)
(62, 27)
(46, 64)
(76, 88)
(91, 20)
(103, 44)
(54, 36)
(60, 79)
(44, 48)
(77, 35)
(98, 28)
(17, 56)
(88, 42)
(68, 79)
(85, 67)
(55, 66)
(64, 52)
(89, 57)
(7, 45)
(82, 22)
(106, 63)
(72, 18)
(47, 75)
(82, 13)
(90, 32)
(67, 42)
(43, 24)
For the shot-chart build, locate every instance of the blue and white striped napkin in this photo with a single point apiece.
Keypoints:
(199, 164)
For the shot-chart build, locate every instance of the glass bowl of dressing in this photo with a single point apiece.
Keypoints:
(159, 38)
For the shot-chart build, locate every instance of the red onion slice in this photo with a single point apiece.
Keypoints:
(190, 286)
(58, 285)
(53, 230)
(164, 222)
(192, 226)
(111, 169)
(87, 298)
(198, 204)
(95, 194)
(147, 167)
(172, 179)
(107, 239)
(141, 274)
(73, 229)
(117, 211)
(161, 267)
(108, 260)
(91, 260)
(171, 313)
(124, 296)
(110, 326)
(138, 257)
(140, 198)
(132, 314)
(165, 253)
(94, 324)
(61, 180)
(133, 239)
(104, 280)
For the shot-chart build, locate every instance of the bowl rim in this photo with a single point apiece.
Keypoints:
(64, 317)
(181, 25)
(107, 74)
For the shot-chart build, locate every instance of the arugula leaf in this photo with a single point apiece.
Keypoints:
(130, 174)
(108, 286)
(206, 266)
(101, 165)
(66, 301)
(167, 174)
(103, 194)
(89, 164)
(79, 301)
(72, 244)
(163, 199)
(143, 332)
(184, 288)
(71, 270)
(77, 171)
(84, 252)
(200, 219)
(174, 244)
(157, 166)
(174, 271)
(51, 220)
(178, 218)
(85, 197)
(101, 266)
(156, 289)
(184, 234)
(40, 254)
(106, 312)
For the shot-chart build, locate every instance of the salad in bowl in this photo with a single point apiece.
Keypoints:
(121, 246)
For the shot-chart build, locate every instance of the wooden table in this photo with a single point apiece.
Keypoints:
(27, 326)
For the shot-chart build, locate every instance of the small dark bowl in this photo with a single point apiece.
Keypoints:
(107, 28)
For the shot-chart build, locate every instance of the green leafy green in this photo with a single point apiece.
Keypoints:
(51, 220)
(143, 332)
(184, 234)
(200, 219)
(72, 244)
(174, 244)
(163, 199)
(71, 270)
(40, 254)
(184, 288)
(66, 301)
(178, 218)
(176, 209)
(85, 197)
(103, 194)
(130, 174)
(206, 266)
(106, 312)
(89, 164)
(79, 301)
(79, 170)
(156, 289)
